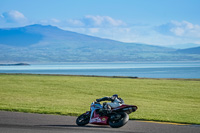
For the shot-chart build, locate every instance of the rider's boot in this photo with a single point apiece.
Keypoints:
(106, 108)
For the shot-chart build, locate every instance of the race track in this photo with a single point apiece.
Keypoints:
(14, 122)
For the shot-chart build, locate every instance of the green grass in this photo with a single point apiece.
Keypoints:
(157, 99)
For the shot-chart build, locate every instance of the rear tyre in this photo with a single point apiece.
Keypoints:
(83, 119)
(118, 120)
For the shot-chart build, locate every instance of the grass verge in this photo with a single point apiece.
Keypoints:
(157, 99)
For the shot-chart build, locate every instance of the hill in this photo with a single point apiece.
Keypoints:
(39, 43)
(185, 46)
(195, 50)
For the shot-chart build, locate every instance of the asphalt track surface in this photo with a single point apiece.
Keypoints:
(15, 122)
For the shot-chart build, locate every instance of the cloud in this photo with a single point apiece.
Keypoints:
(100, 26)
(180, 29)
(75, 23)
(96, 21)
(167, 34)
(173, 32)
(13, 16)
(52, 21)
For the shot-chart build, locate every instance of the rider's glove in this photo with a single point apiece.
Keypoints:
(98, 100)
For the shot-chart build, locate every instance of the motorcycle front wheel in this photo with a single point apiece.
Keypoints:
(83, 119)
(118, 119)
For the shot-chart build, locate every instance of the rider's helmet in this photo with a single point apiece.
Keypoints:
(114, 97)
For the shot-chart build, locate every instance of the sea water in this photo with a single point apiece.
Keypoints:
(146, 70)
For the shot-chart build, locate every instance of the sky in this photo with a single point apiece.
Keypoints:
(155, 22)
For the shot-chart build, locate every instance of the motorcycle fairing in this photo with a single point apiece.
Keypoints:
(95, 118)
(126, 108)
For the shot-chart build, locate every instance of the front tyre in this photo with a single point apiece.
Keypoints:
(118, 120)
(83, 119)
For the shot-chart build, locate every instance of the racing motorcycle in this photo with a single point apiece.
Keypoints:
(117, 117)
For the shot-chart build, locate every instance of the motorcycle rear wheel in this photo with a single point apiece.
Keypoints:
(83, 119)
(119, 122)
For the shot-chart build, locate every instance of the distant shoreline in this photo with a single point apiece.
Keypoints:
(193, 79)
(16, 64)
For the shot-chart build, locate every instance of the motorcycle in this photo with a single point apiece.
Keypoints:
(117, 117)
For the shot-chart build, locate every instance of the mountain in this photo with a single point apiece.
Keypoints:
(39, 43)
(185, 46)
(195, 50)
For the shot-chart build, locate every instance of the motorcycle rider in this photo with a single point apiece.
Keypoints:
(115, 102)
